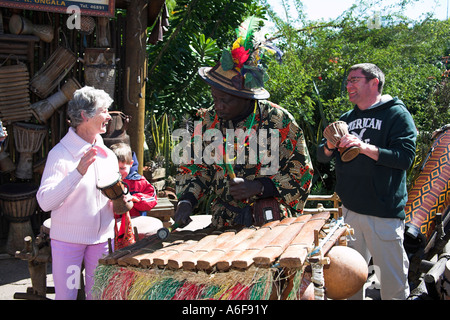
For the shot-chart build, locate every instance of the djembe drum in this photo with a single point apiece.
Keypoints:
(115, 191)
(28, 138)
(333, 133)
(18, 203)
(21, 25)
(42, 110)
(52, 72)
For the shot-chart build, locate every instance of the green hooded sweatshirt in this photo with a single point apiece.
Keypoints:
(370, 187)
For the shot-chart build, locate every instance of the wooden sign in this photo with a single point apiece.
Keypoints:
(103, 8)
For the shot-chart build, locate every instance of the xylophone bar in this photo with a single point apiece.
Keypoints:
(209, 259)
(267, 256)
(295, 254)
(139, 256)
(225, 262)
(176, 262)
(191, 262)
(136, 258)
(245, 258)
(161, 260)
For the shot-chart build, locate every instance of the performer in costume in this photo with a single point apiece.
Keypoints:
(242, 118)
(372, 186)
(82, 218)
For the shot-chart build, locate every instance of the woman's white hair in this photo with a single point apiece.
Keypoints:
(87, 100)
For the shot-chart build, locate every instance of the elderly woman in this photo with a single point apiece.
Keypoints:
(82, 218)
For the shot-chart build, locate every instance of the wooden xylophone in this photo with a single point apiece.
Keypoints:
(248, 263)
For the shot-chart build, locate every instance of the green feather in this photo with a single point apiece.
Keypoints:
(247, 29)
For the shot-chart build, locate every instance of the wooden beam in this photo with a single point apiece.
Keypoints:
(135, 75)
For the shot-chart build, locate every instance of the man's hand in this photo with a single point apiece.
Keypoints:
(349, 140)
(241, 189)
(184, 210)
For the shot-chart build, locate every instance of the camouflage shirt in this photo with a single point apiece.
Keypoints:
(256, 151)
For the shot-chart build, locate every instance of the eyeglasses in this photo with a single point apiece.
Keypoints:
(354, 80)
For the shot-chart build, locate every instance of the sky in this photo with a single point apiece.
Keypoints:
(331, 9)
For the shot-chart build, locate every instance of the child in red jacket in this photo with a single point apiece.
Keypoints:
(142, 192)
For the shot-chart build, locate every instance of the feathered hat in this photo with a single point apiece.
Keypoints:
(242, 69)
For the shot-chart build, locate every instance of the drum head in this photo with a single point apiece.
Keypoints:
(30, 126)
(18, 191)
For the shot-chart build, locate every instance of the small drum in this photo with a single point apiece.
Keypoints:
(114, 191)
(28, 138)
(21, 25)
(333, 133)
(18, 203)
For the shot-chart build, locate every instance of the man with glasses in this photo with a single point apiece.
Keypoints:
(372, 187)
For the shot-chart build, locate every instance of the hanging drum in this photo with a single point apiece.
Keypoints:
(18, 203)
(52, 72)
(44, 109)
(14, 94)
(28, 138)
(21, 25)
(100, 69)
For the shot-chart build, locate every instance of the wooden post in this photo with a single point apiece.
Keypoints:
(136, 74)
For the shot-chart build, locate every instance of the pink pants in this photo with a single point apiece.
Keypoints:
(67, 259)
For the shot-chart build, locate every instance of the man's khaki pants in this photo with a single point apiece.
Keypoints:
(381, 239)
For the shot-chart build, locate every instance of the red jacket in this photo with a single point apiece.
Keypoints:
(141, 188)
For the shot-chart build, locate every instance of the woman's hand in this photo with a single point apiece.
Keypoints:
(86, 161)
